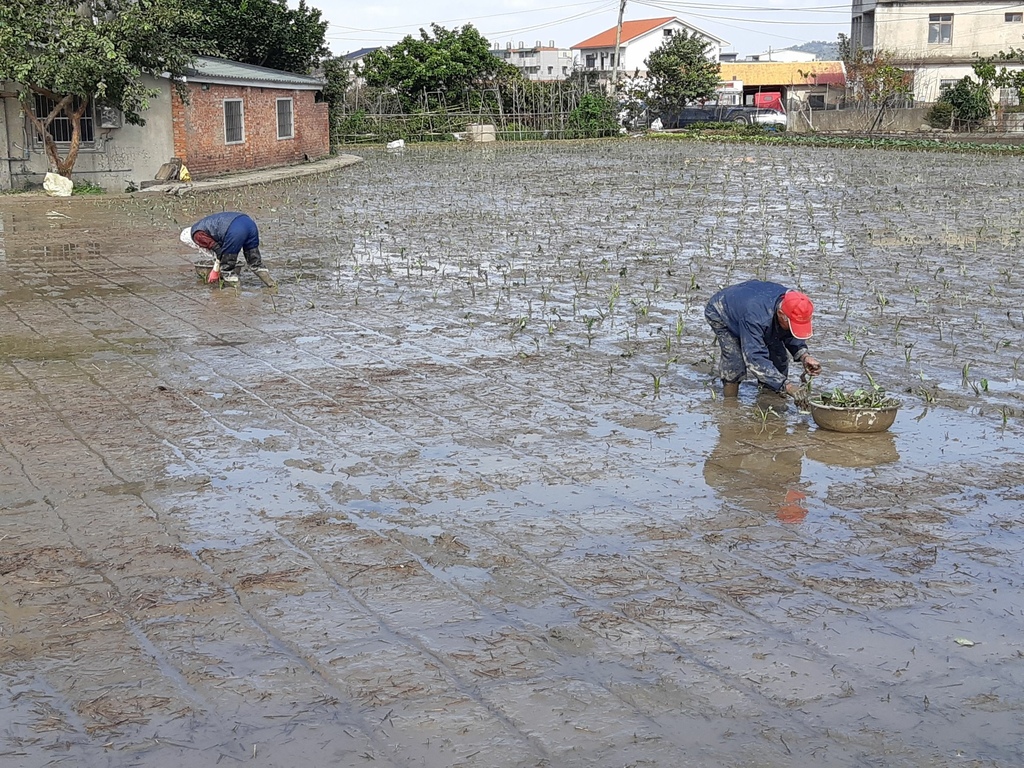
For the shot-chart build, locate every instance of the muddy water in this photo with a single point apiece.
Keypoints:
(461, 493)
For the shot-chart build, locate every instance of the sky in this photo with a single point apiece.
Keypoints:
(750, 26)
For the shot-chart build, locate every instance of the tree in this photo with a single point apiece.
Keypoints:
(681, 73)
(971, 101)
(266, 33)
(71, 53)
(451, 62)
(1002, 77)
(873, 77)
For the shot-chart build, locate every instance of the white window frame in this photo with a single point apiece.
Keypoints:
(936, 23)
(291, 118)
(241, 119)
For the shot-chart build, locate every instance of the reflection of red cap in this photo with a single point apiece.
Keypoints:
(798, 308)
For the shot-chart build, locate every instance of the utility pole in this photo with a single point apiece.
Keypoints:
(618, 39)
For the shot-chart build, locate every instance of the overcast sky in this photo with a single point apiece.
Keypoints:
(750, 26)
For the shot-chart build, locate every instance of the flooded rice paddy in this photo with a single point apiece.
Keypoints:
(461, 492)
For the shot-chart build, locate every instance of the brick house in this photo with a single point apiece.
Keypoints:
(239, 117)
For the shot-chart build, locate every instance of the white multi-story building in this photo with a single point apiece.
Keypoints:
(539, 62)
(937, 41)
(638, 40)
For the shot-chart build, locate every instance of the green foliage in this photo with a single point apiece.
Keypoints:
(446, 67)
(992, 76)
(266, 33)
(846, 142)
(970, 101)
(594, 117)
(681, 73)
(857, 398)
(72, 52)
(940, 115)
(87, 188)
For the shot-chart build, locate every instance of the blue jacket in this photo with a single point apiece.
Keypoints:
(216, 224)
(748, 310)
(231, 230)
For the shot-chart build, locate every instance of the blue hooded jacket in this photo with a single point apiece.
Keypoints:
(233, 231)
(748, 310)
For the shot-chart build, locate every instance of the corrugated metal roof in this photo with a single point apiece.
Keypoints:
(210, 70)
(785, 73)
(630, 29)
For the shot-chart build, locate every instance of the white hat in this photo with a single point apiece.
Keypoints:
(186, 237)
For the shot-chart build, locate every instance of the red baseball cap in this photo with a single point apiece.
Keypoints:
(798, 308)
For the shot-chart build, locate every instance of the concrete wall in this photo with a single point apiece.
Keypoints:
(118, 156)
(199, 130)
(857, 121)
(977, 27)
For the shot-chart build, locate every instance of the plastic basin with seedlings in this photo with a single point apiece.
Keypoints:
(203, 271)
(857, 411)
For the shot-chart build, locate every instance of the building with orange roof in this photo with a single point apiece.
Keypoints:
(639, 39)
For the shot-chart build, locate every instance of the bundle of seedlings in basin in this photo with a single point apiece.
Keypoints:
(858, 398)
(859, 410)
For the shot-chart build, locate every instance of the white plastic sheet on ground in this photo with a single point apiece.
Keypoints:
(56, 185)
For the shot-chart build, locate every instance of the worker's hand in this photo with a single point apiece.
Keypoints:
(799, 395)
(811, 366)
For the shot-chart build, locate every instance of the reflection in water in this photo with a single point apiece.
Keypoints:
(758, 463)
(852, 450)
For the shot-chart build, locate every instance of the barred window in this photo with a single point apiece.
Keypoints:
(234, 125)
(61, 128)
(285, 119)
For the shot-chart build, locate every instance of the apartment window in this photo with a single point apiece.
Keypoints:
(1013, 18)
(667, 32)
(940, 29)
(285, 120)
(234, 124)
(945, 85)
(1009, 97)
(60, 129)
(551, 70)
(591, 60)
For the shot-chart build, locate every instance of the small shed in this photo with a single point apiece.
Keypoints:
(238, 117)
(817, 84)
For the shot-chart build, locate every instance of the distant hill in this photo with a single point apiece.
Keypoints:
(824, 50)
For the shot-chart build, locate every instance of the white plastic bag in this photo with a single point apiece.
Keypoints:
(56, 185)
(397, 144)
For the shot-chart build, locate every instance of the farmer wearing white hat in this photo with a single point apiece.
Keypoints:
(759, 327)
(224, 236)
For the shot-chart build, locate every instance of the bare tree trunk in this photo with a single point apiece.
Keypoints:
(41, 125)
(65, 167)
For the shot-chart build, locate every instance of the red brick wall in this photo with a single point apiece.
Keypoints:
(199, 129)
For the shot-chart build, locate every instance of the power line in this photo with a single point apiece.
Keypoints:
(602, 3)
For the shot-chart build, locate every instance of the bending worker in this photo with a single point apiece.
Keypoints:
(226, 234)
(759, 326)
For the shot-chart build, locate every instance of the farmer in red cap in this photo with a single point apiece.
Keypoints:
(759, 326)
